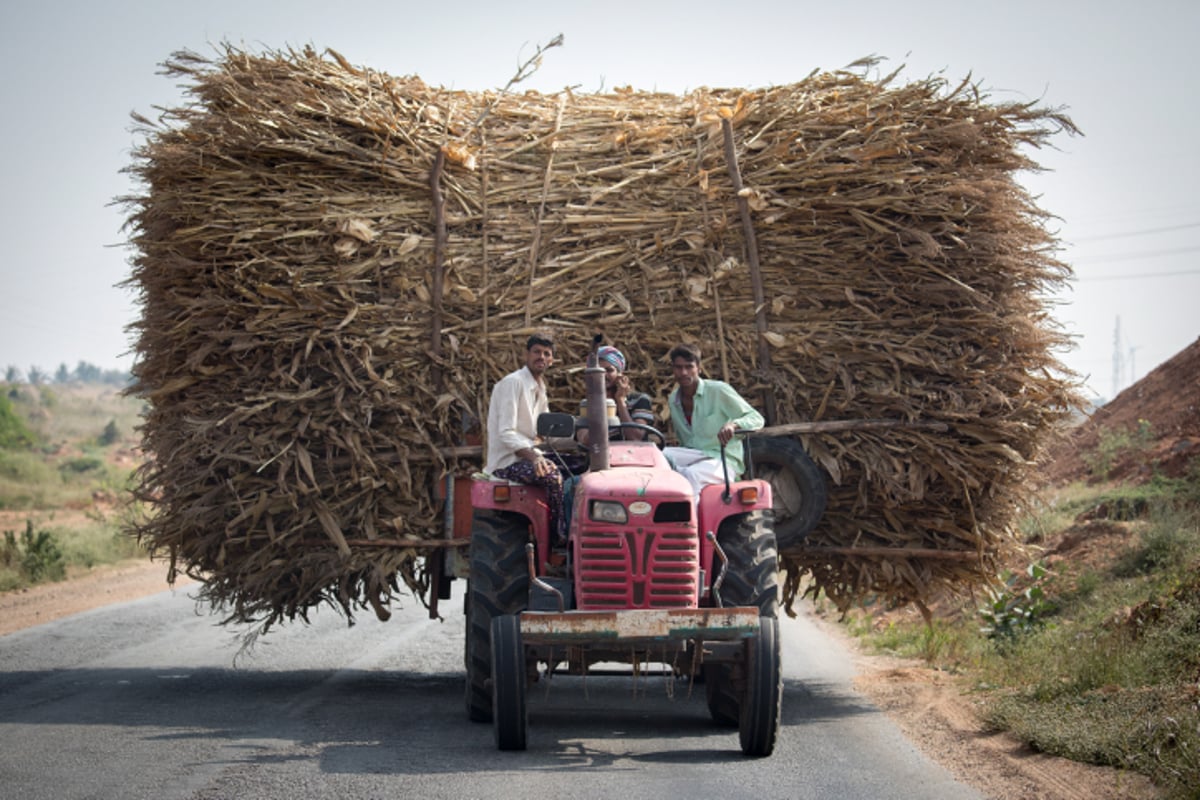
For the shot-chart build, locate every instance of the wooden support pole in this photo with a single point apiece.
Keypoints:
(839, 425)
(791, 428)
(891, 552)
(439, 266)
(713, 264)
(535, 245)
(394, 544)
(760, 305)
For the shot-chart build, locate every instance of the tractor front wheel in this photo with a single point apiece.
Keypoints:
(759, 724)
(509, 711)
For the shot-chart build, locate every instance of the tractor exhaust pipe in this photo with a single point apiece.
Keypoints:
(597, 413)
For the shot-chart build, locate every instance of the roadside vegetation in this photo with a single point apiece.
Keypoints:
(1090, 649)
(68, 448)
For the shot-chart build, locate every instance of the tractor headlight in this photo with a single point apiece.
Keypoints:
(608, 511)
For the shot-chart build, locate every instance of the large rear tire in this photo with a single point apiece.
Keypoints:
(499, 585)
(509, 710)
(758, 727)
(751, 579)
(798, 488)
(721, 695)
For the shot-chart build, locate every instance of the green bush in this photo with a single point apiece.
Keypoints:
(1012, 611)
(1114, 444)
(81, 465)
(110, 435)
(23, 466)
(36, 555)
(13, 431)
(97, 543)
(1167, 544)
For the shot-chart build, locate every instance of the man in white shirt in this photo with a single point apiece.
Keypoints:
(517, 399)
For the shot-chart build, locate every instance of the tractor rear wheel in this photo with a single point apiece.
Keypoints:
(509, 711)
(721, 695)
(499, 585)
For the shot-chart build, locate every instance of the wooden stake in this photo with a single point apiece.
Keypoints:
(439, 257)
(760, 307)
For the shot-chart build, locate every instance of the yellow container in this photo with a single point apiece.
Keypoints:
(610, 407)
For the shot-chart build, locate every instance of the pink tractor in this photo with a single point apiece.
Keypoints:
(648, 575)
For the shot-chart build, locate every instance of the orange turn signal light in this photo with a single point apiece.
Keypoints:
(502, 493)
(748, 495)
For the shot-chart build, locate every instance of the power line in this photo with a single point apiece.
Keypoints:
(1142, 232)
(1143, 254)
(1139, 275)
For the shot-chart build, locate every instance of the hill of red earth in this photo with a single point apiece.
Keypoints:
(1153, 427)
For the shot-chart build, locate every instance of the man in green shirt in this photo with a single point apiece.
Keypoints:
(704, 415)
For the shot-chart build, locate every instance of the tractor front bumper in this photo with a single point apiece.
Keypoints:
(639, 626)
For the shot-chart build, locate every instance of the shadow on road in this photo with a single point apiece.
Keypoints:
(401, 722)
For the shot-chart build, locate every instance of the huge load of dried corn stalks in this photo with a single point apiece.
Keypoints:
(334, 265)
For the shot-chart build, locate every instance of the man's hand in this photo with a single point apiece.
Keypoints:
(620, 388)
(726, 432)
(542, 466)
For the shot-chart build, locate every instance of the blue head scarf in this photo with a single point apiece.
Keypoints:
(613, 356)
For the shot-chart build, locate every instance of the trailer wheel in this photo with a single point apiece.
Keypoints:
(758, 727)
(499, 585)
(509, 711)
(798, 488)
(752, 579)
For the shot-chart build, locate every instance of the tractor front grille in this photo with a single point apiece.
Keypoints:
(637, 568)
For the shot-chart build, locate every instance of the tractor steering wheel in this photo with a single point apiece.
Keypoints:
(655, 434)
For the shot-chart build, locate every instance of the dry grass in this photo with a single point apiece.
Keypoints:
(308, 341)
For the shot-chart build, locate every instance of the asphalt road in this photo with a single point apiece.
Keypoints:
(151, 699)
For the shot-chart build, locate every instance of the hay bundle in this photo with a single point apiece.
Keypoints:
(334, 266)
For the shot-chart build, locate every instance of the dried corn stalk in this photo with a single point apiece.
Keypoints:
(298, 396)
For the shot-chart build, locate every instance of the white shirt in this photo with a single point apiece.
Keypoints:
(517, 399)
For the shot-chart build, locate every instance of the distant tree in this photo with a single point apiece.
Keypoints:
(88, 373)
(36, 376)
(12, 375)
(116, 377)
(63, 375)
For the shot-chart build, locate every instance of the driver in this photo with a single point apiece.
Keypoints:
(633, 407)
(512, 453)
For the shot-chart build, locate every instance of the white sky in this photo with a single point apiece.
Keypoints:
(1125, 192)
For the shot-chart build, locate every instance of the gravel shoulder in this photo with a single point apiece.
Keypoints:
(82, 591)
(927, 705)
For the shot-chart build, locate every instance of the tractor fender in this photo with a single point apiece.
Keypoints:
(517, 499)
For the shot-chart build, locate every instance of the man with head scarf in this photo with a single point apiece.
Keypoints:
(631, 406)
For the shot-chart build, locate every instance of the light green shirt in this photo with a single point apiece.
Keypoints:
(715, 404)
